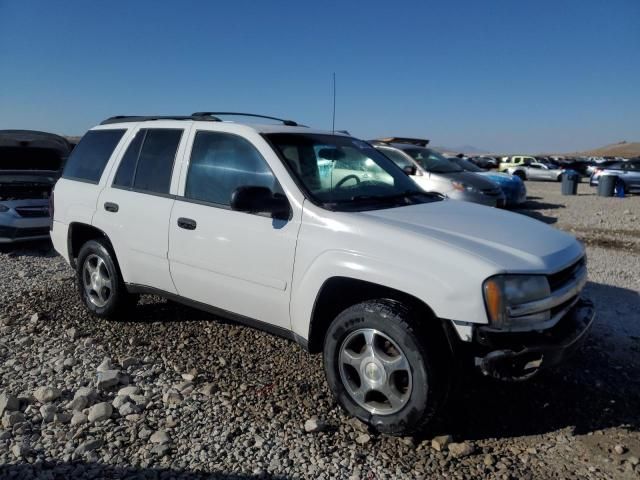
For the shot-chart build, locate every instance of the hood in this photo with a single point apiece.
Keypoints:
(500, 178)
(511, 242)
(468, 178)
(26, 150)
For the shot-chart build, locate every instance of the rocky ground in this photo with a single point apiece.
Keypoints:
(169, 392)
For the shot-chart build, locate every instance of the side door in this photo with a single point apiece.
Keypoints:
(235, 261)
(135, 207)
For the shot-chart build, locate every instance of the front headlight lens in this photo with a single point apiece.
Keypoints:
(3, 208)
(503, 291)
(461, 187)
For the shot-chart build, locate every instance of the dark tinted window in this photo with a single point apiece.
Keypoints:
(220, 163)
(155, 162)
(124, 175)
(88, 159)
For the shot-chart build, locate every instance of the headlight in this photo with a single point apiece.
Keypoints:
(504, 291)
(3, 208)
(461, 187)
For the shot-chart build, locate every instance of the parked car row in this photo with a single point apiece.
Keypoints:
(628, 173)
(323, 239)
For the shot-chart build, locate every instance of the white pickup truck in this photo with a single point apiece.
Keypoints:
(319, 238)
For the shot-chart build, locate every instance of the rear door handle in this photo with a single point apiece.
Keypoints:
(187, 223)
(111, 207)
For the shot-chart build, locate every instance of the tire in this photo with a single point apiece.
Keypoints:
(520, 175)
(112, 300)
(421, 387)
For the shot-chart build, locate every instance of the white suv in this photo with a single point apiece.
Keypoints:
(319, 238)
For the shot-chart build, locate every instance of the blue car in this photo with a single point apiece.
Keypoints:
(513, 187)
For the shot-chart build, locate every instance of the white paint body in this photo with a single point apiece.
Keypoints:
(273, 271)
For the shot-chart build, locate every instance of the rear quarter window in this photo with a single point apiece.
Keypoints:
(90, 156)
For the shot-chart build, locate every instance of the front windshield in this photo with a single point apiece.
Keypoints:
(341, 172)
(467, 165)
(432, 161)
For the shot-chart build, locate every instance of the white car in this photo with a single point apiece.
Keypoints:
(319, 238)
(537, 171)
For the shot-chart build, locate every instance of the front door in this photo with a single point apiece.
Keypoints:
(235, 261)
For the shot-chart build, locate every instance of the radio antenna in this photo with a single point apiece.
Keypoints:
(333, 120)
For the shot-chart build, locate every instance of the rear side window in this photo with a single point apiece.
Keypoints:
(88, 159)
(398, 158)
(220, 163)
(147, 164)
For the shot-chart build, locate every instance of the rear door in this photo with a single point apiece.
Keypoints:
(135, 207)
(236, 261)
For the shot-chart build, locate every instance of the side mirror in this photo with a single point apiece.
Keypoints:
(410, 169)
(253, 199)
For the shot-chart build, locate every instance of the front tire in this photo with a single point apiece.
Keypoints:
(385, 367)
(100, 284)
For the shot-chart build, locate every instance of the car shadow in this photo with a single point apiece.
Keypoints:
(532, 207)
(81, 469)
(593, 390)
(34, 248)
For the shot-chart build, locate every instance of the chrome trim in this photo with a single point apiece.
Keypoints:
(558, 297)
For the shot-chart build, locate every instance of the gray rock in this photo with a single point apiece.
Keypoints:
(619, 449)
(48, 411)
(128, 391)
(441, 442)
(99, 412)
(160, 437)
(20, 450)
(72, 333)
(127, 409)
(144, 433)
(88, 392)
(314, 425)
(62, 417)
(489, 460)
(78, 418)
(5, 435)
(172, 397)
(161, 450)
(633, 460)
(47, 394)
(209, 389)
(80, 402)
(108, 379)
(12, 418)
(87, 446)
(127, 362)
(119, 401)
(462, 449)
(363, 439)
(105, 365)
(8, 403)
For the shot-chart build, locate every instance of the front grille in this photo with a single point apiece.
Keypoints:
(32, 212)
(561, 278)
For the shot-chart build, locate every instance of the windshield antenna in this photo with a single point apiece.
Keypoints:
(333, 120)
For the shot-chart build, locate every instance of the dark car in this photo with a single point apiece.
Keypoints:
(30, 164)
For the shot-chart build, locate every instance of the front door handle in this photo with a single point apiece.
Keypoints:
(187, 223)
(111, 207)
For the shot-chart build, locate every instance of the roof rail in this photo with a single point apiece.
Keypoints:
(422, 142)
(142, 118)
(289, 123)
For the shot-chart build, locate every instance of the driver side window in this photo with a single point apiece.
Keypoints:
(220, 163)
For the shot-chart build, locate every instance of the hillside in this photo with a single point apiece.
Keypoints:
(621, 149)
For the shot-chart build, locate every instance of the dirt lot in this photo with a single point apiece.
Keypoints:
(208, 398)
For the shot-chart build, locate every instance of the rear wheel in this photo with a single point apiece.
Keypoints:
(99, 281)
(520, 175)
(385, 368)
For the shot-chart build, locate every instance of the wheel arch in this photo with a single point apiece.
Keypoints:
(80, 233)
(340, 292)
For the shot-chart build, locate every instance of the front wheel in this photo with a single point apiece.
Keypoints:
(99, 281)
(384, 366)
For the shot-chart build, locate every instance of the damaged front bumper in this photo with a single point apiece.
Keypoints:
(519, 356)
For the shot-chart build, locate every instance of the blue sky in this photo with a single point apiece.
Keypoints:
(503, 75)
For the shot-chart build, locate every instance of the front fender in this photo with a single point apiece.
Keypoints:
(444, 298)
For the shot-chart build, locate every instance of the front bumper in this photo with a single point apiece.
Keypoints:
(14, 228)
(479, 198)
(519, 356)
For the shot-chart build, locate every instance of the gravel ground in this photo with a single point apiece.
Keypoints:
(170, 392)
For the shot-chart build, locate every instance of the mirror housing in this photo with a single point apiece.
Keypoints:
(254, 199)
(410, 170)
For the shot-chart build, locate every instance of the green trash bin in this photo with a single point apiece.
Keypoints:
(607, 185)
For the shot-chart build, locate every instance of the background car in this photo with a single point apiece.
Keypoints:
(628, 172)
(30, 164)
(484, 161)
(513, 187)
(435, 173)
(537, 171)
(514, 161)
